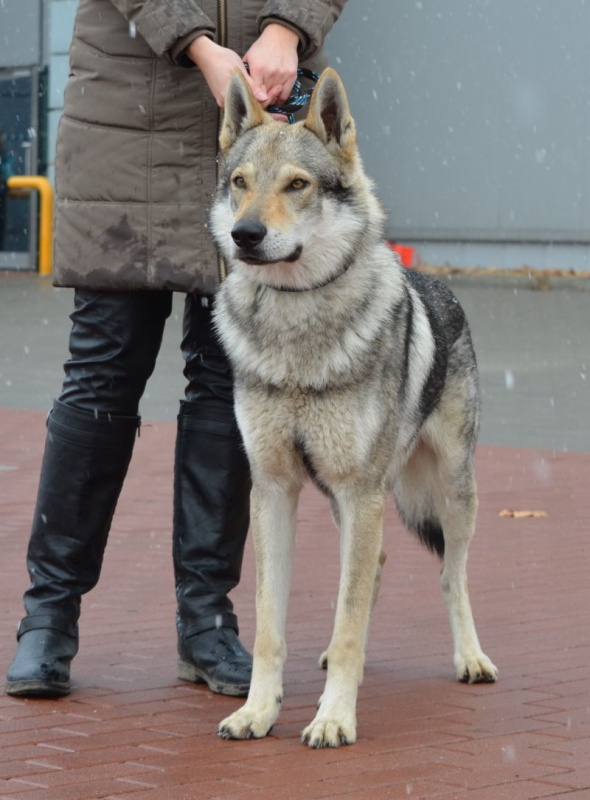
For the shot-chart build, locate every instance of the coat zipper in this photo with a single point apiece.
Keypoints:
(222, 13)
(222, 28)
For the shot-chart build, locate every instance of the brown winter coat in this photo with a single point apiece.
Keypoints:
(136, 149)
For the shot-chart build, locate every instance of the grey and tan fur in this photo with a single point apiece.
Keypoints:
(350, 371)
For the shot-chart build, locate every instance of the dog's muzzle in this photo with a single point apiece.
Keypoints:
(248, 235)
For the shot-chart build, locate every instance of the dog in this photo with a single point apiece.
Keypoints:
(349, 370)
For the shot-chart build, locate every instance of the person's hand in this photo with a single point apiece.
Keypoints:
(217, 64)
(273, 62)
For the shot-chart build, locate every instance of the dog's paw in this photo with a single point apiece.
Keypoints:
(476, 668)
(329, 733)
(246, 724)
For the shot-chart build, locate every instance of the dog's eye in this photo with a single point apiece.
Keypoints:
(298, 184)
(239, 182)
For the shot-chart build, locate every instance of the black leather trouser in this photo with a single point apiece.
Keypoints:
(114, 343)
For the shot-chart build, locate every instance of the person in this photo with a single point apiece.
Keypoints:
(135, 172)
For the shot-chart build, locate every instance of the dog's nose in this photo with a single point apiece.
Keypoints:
(248, 233)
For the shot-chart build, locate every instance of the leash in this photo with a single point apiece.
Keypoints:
(299, 96)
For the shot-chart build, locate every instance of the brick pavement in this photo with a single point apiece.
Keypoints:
(131, 731)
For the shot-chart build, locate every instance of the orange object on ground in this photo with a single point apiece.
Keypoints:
(405, 252)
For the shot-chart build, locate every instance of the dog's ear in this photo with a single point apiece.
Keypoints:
(242, 111)
(329, 116)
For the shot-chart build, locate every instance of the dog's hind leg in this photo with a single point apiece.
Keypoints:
(273, 514)
(437, 499)
(361, 529)
(456, 504)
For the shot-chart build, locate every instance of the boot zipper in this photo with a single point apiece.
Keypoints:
(222, 30)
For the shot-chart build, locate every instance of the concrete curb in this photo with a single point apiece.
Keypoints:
(533, 279)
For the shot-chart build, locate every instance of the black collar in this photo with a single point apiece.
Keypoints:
(345, 267)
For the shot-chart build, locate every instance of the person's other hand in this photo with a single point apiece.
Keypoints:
(273, 62)
(217, 64)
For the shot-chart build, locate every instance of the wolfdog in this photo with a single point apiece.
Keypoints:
(349, 370)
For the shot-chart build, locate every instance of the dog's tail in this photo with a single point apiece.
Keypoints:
(416, 509)
(430, 533)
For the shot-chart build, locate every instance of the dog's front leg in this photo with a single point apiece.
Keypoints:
(273, 513)
(361, 530)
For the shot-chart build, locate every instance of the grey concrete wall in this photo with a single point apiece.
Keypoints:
(474, 120)
(21, 33)
(60, 24)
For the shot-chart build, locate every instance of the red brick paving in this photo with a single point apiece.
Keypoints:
(131, 731)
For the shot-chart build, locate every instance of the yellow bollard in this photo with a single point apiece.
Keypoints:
(45, 189)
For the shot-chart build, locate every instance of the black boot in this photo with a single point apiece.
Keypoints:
(85, 462)
(211, 517)
(41, 668)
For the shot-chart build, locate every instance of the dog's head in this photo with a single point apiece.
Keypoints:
(286, 210)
